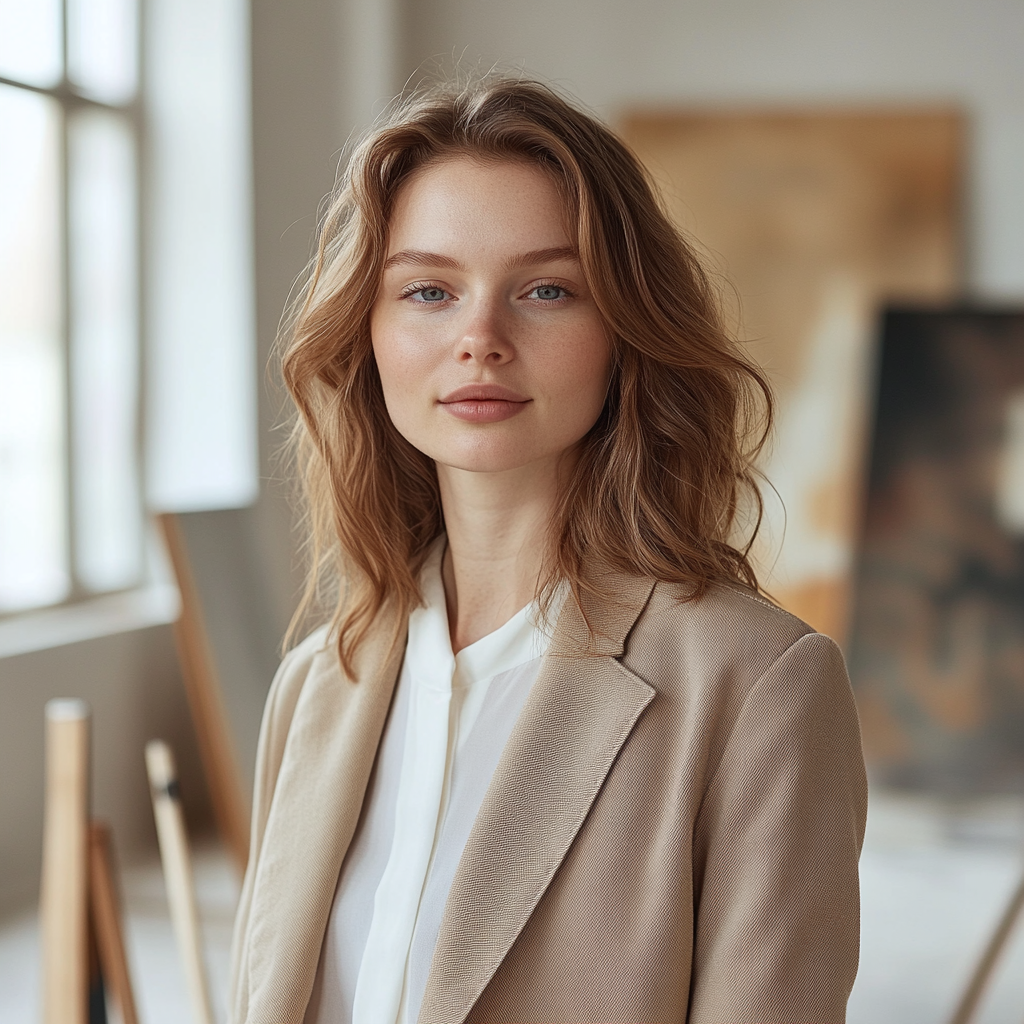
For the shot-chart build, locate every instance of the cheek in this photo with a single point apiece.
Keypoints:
(583, 373)
(395, 372)
(395, 357)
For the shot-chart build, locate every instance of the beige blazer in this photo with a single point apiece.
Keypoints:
(671, 834)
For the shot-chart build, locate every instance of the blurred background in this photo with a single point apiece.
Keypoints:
(854, 176)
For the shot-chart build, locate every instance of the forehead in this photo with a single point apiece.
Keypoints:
(471, 201)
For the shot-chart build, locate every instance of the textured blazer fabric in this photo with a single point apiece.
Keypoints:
(672, 832)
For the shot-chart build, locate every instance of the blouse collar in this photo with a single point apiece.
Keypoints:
(519, 640)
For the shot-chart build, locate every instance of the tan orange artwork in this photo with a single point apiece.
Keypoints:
(814, 220)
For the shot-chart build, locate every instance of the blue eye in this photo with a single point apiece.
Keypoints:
(431, 294)
(548, 292)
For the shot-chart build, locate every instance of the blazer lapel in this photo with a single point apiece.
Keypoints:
(316, 805)
(582, 708)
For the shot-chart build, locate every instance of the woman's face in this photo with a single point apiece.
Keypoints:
(491, 352)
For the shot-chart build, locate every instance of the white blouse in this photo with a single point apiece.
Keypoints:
(449, 722)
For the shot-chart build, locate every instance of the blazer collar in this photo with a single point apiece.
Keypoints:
(325, 768)
(604, 621)
(580, 711)
(582, 707)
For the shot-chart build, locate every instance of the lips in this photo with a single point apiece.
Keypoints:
(484, 403)
(483, 393)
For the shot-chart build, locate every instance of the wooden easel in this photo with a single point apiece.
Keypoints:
(982, 974)
(177, 864)
(206, 703)
(79, 909)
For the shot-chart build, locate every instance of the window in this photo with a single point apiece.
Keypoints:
(71, 521)
(127, 370)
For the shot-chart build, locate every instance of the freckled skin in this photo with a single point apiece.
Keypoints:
(487, 312)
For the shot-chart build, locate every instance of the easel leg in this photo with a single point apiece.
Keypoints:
(64, 897)
(177, 862)
(106, 920)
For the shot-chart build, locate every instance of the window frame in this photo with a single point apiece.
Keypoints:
(148, 592)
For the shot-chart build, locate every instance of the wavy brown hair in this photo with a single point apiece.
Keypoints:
(660, 477)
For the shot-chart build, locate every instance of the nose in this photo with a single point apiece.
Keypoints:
(484, 337)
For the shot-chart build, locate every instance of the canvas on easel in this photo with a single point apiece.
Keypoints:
(936, 653)
(937, 647)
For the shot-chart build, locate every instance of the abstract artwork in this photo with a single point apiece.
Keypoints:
(936, 652)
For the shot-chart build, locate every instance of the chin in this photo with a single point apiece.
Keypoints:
(481, 462)
(484, 455)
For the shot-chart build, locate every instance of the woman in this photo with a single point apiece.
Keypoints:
(553, 758)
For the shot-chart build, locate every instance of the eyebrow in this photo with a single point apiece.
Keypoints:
(420, 258)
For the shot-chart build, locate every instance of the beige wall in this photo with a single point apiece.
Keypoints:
(616, 54)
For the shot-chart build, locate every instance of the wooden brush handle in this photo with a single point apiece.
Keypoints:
(170, 828)
(64, 893)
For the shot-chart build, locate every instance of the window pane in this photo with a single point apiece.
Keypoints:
(102, 37)
(33, 558)
(30, 42)
(104, 368)
(201, 359)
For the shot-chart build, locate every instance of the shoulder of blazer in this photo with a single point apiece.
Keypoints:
(313, 662)
(315, 653)
(724, 610)
(723, 641)
(731, 662)
(295, 668)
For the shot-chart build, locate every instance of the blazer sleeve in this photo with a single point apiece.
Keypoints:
(776, 845)
(277, 718)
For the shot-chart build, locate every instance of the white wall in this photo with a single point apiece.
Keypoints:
(614, 54)
(320, 70)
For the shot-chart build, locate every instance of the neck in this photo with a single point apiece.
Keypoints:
(498, 533)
